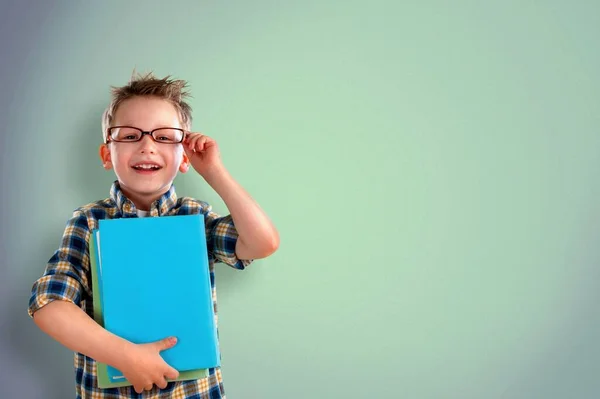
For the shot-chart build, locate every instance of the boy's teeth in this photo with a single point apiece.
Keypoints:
(147, 167)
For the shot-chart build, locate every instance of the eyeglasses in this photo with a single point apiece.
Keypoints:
(129, 134)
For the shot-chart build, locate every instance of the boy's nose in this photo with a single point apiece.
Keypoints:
(147, 144)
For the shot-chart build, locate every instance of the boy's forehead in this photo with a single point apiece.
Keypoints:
(146, 113)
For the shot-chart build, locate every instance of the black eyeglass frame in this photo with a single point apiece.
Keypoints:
(150, 133)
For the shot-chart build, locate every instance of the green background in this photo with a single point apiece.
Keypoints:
(432, 168)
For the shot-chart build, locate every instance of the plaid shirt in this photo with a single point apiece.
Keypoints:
(67, 277)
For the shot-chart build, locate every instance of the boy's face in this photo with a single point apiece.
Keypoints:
(143, 185)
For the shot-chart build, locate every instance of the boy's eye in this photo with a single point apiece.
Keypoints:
(167, 135)
(130, 137)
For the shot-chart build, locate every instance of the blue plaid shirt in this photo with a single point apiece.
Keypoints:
(67, 277)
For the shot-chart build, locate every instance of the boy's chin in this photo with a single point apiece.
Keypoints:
(148, 187)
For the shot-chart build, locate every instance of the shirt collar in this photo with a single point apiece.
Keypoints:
(160, 207)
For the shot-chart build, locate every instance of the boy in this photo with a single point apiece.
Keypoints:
(146, 142)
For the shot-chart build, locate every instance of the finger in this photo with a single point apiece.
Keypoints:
(187, 140)
(194, 141)
(210, 143)
(149, 387)
(171, 373)
(188, 150)
(165, 343)
(189, 135)
(201, 144)
(138, 388)
(161, 383)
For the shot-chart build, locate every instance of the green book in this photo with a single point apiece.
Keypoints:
(104, 381)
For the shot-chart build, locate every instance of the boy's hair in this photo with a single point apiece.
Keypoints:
(171, 90)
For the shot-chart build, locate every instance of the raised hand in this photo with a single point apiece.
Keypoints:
(202, 151)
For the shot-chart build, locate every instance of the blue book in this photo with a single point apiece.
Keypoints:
(154, 282)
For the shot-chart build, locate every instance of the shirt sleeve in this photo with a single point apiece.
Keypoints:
(221, 238)
(65, 276)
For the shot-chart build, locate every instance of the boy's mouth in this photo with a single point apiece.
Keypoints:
(146, 167)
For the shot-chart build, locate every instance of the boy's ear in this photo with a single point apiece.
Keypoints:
(104, 153)
(185, 163)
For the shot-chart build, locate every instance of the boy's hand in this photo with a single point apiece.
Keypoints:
(144, 367)
(202, 151)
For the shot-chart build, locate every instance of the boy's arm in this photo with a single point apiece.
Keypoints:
(142, 365)
(68, 324)
(55, 306)
(55, 303)
(257, 237)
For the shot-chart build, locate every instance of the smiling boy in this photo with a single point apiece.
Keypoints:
(147, 141)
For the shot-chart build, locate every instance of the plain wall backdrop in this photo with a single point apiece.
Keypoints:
(432, 168)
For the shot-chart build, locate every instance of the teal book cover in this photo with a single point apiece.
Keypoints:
(104, 381)
(154, 282)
